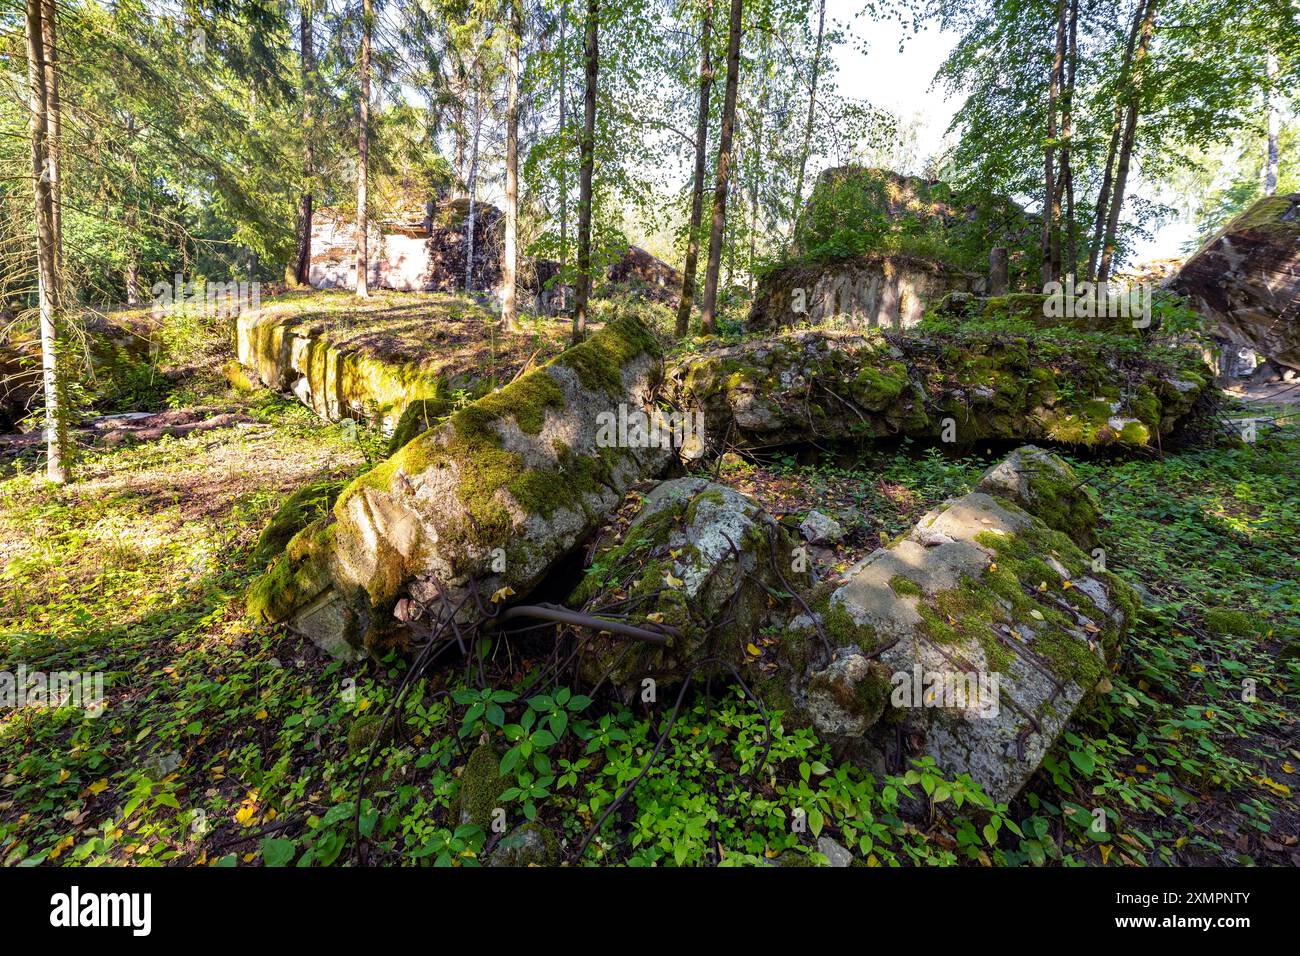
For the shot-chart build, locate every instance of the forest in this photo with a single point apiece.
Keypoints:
(671, 433)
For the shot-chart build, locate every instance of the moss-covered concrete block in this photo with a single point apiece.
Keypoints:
(994, 626)
(823, 384)
(490, 498)
(703, 559)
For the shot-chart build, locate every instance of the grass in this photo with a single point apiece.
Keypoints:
(223, 742)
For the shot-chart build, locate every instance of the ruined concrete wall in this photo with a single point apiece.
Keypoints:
(334, 381)
(825, 384)
(410, 256)
(490, 499)
(889, 292)
(1247, 279)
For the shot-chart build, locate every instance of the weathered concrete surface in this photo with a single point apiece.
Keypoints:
(822, 384)
(994, 629)
(366, 364)
(1247, 278)
(414, 250)
(490, 499)
(700, 557)
(640, 272)
(890, 292)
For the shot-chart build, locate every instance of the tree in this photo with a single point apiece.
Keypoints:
(1271, 125)
(307, 61)
(42, 62)
(591, 64)
(509, 310)
(1125, 156)
(687, 300)
(708, 309)
(363, 153)
(808, 123)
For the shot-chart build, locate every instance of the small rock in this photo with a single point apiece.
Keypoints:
(933, 539)
(836, 854)
(817, 528)
(529, 845)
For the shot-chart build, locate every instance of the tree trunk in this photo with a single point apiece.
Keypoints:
(998, 281)
(54, 134)
(564, 142)
(591, 59)
(132, 281)
(1067, 135)
(697, 184)
(47, 253)
(363, 157)
(1270, 108)
(307, 62)
(1050, 244)
(1126, 144)
(509, 308)
(1108, 178)
(808, 123)
(708, 322)
(471, 184)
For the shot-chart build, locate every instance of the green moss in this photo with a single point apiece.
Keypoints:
(416, 419)
(1135, 433)
(309, 503)
(1222, 620)
(842, 629)
(600, 360)
(237, 378)
(365, 731)
(530, 845)
(481, 786)
(296, 577)
(877, 388)
(901, 585)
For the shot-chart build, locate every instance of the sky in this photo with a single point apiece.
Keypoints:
(901, 83)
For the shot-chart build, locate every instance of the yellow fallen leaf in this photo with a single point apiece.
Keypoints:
(1104, 850)
(675, 553)
(500, 594)
(671, 581)
(1042, 585)
(363, 705)
(1065, 585)
(1036, 614)
(655, 617)
(753, 650)
(99, 786)
(63, 775)
(60, 847)
(993, 566)
(260, 715)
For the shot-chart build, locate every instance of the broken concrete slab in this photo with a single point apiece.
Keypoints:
(1047, 487)
(823, 384)
(700, 557)
(1247, 279)
(994, 628)
(490, 499)
(370, 361)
